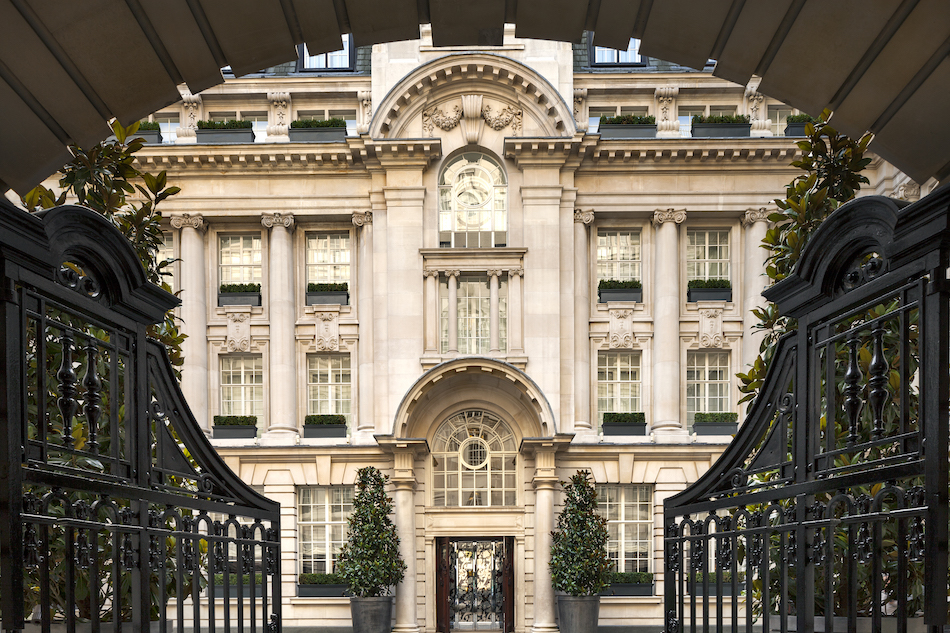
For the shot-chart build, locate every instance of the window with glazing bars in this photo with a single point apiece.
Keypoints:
(629, 513)
(707, 383)
(329, 390)
(473, 313)
(328, 258)
(618, 254)
(239, 259)
(242, 385)
(618, 383)
(322, 513)
(707, 254)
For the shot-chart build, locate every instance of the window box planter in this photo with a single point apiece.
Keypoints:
(218, 137)
(621, 294)
(321, 591)
(239, 299)
(624, 424)
(235, 427)
(610, 130)
(715, 423)
(708, 294)
(151, 137)
(317, 134)
(795, 129)
(628, 589)
(331, 297)
(324, 426)
(721, 130)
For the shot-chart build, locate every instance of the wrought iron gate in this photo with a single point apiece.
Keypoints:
(829, 510)
(114, 508)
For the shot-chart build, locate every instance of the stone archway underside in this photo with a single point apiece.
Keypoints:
(881, 65)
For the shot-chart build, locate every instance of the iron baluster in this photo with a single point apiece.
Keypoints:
(92, 407)
(853, 403)
(878, 369)
(67, 388)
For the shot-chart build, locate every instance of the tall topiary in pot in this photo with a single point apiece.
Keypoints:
(369, 562)
(579, 564)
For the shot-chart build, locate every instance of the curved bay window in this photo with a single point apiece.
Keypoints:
(473, 203)
(473, 462)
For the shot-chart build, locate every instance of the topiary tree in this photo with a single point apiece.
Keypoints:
(370, 563)
(579, 563)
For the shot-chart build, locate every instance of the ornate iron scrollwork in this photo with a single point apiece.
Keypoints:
(860, 275)
(79, 280)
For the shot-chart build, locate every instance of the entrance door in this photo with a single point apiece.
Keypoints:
(475, 583)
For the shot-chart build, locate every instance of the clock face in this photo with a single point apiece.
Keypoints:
(471, 189)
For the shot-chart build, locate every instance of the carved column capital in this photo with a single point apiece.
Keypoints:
(516, 272)
(454, 274)
(278, 219)
(669, 215)
(584, 217)
(196, 222)
(495, 272)
(430, 272)
(751, 216)
(360, 219)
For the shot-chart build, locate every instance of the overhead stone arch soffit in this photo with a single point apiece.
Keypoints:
(474, 383)
(471, 97)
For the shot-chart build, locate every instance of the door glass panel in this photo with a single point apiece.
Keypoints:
(476, 601)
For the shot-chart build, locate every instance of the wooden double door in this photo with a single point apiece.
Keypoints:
(475, 584)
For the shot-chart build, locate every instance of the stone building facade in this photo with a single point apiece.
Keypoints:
(472, 209)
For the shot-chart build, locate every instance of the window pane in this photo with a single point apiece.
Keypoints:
(322, 513)
(328, 385)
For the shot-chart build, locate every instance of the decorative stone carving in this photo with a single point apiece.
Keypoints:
(196, 222)
(431, 272)
(508, 115)
(453, 273)
(278, 219)
(495, 272)
(621, 330)
(668, 215)
(584, 217)
(581, 111)
(516, 272)
(192, 106)
(365, 114)
(434, 116)
(359, 219)
(710, 328)
(909, 191)
(471, 121)
(751, 216)
(280, 102)
(761, 126)
(667, 123)
(327, 338)
(239, 331)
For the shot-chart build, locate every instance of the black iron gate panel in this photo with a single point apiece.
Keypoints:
(828, 512)
(117, 513)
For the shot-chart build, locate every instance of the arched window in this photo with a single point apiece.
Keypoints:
(473, 203)
(473, 460)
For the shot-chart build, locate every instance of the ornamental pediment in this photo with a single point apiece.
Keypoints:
(472, 95)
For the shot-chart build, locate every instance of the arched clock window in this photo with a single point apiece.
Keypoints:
(473, 203)
(473, 462)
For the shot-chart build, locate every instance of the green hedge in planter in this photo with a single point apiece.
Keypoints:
(324, 419)
(800, 118)
(720, 119)
(226, 288)
(149, 126)
(233, 579)
(726, 576)
(230, 124)
(724, 417)
(628, 119)
(235, 420)
(342, 287)
(320, 579)
(637, 417)
(616, 284)
(631, 578)
(709, 283)
(305, 123)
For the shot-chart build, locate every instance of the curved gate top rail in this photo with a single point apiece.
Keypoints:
(829, 510)
(115, 510)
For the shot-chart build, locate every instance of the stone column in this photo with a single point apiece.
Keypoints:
(515, 313)
(582, 424)
(194, 315)
(453, 277)
(756, 225)
(544, 482)
(406, 621)
(432, 312)
(365, 424)
(667, 376)
(493, 311)
(283, 423)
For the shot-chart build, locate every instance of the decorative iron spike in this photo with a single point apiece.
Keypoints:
(864, 550)
(853, 402)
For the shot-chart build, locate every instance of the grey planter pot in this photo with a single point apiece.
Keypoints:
(334, 297)
(578, 614)
(324, 430)
(217, 137)
(321, 591)
(621, 294)
(152, 137)
(234, 432)
(708, 294)
(625, 428)
(628, 589)
(239, 299)
(715, 428)
(795, 129)
(317, 134)
(721, 130)
(627, 131)
(372, 615)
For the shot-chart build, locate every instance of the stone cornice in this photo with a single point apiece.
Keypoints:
(541, 152)
(619, 152)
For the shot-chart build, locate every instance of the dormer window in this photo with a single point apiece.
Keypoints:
(473, 203)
